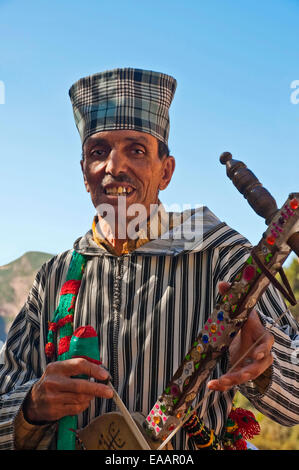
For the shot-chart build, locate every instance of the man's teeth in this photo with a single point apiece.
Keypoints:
(118, 191)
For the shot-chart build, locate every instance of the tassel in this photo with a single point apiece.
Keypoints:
(247, 424)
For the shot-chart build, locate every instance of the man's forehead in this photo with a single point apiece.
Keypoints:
(119, 136)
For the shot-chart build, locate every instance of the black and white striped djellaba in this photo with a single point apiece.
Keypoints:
(148, 307)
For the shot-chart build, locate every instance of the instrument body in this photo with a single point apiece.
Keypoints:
(111, 432)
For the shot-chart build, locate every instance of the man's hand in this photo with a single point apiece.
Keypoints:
(256, 362)
(57, 394)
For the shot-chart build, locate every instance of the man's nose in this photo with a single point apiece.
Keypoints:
(116, 162)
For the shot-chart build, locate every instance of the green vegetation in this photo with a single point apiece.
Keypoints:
(16, 279)
(25, 266)
(292, 273)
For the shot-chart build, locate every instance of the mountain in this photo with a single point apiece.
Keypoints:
(16, 279)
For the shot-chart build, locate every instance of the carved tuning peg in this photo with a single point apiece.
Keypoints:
(247, 184)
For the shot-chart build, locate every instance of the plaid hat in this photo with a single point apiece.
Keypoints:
(123, 99)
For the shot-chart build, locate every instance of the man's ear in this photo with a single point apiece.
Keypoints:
(84, 176)
(167, 172)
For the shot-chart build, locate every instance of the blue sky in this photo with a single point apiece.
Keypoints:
(234, 62)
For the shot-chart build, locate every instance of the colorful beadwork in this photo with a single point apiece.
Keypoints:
(271, 240)
(241, 425)
(201, 436)
(294, 204)
(249, 273)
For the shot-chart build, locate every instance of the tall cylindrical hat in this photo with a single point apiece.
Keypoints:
(123, 99)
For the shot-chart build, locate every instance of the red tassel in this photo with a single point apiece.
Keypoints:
(247, 424)
(241, 444)
(49, 349)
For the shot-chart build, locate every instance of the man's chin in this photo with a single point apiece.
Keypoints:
(119, 212)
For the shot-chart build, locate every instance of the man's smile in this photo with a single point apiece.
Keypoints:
(118, 190)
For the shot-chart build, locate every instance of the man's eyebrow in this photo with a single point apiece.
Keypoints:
(102, 141)
(97, 141)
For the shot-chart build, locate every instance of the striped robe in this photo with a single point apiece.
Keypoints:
(148, 307)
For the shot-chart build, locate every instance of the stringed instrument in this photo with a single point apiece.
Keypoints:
(121, 431)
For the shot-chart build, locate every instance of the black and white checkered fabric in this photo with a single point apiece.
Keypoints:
(123, 99)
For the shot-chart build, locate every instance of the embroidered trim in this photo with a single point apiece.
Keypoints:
(62, 321)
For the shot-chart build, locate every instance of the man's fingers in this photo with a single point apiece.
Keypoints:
(78, 366)
(80, 387)
(60, 379)
(242, 374)
(69, 398)
(263, 350)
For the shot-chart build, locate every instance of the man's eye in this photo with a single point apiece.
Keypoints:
(138, 151)
(97, 153)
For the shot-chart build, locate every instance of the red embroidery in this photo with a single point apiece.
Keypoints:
(70, 287)
(64, 344)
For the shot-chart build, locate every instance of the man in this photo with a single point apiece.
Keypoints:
(145, 290)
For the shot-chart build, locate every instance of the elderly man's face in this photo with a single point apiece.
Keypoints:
(125, 164)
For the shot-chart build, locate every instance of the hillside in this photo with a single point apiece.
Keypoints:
(16, 279)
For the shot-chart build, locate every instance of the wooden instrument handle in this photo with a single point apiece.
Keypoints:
(247, 184)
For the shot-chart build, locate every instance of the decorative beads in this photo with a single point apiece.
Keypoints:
(195, 355)
(190, 396)
(175, 391)
(294, 204)
(281, 221)
(156, 417)
(220, 316)
(200, 434)
(270, 240)
(249, 273)
(205, 338)
(287, 212)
